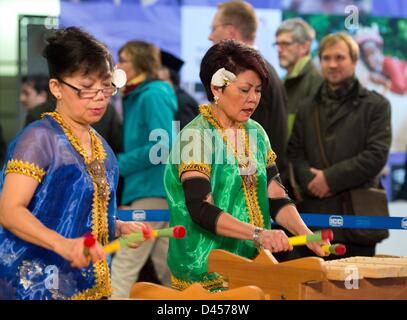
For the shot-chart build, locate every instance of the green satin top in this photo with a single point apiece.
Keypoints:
(202, 146)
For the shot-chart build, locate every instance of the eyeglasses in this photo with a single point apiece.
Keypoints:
(91, 93)
(283, 44)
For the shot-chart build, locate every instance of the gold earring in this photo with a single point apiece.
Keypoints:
(216, 98)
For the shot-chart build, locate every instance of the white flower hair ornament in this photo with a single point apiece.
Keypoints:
(222, 78)
(119, 78)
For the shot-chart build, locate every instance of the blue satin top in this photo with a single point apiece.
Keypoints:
(75, 195)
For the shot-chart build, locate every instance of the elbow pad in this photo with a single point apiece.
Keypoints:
(275, 205)
(273, 174)
(202, 212)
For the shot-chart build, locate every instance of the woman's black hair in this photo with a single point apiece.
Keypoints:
(235, 57)
(71, 50)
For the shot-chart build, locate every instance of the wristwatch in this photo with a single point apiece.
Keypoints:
(256, 235)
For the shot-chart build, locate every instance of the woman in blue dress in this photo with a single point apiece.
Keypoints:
(58, 183)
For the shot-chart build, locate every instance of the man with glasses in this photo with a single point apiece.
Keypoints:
(293, 42)
(294, 38)
(237, 20)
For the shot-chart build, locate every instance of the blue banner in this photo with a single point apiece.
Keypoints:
(310, 219)
(362, 222)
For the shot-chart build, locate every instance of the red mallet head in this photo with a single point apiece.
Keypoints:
(327, 234)
(340, 249)
(147, 231)
(179, 232)
(89, 240)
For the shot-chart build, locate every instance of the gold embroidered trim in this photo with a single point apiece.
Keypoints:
(255, 215)
(249, 187)
(103, 286)
(25, 168)
(97, 147)
(179, 284)
(101, 196)
(271, 158)
(201, 167)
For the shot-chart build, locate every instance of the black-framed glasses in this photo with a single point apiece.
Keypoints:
(283, 44)
(91, 93)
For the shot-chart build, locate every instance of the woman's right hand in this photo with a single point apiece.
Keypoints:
(73, 251)
(274, 241)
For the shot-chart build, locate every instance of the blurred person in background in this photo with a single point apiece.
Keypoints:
(148, 104)
(170, 72)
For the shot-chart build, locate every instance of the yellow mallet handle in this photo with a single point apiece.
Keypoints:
(315, 237)
(112, 247)
(297, 240)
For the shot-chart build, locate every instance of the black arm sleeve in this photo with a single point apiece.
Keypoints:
(272, 173)
(203, 213)
(275, 205)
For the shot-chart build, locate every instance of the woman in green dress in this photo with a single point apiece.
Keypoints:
(221, 179)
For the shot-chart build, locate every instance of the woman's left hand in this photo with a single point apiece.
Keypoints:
(316, 247)
(128, 227)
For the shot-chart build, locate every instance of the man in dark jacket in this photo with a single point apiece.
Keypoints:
(341, 137)
(237, 20)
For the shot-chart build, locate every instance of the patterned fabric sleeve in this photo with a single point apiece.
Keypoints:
(195, 152)
(30, 153)
(271, 158)
(26, 168)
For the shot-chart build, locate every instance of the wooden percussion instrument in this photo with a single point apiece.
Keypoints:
(353, 278)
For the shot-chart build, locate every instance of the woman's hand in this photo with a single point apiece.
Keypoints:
(124, 228)
(316, 247)
(73, 251)
(274, 240)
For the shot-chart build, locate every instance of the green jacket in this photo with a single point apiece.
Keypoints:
(188, 257)
(299, 87)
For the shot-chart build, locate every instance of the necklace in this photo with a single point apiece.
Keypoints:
(94, 165)
(246, 165)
